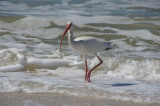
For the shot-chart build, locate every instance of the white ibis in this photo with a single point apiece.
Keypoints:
(85, 46)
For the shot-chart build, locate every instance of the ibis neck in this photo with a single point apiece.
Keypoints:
(70, 37)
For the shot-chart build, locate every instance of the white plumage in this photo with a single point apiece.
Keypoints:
(91, 45)
(85, 46)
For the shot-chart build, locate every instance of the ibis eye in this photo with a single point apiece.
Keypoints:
(70, 24)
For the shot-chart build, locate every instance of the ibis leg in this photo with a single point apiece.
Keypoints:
(89, 72)
(86, 69)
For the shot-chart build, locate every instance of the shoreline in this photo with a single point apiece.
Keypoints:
(45, 99)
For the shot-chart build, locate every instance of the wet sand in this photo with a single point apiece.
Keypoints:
(25, 99)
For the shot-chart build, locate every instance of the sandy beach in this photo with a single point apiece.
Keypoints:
(25, 99)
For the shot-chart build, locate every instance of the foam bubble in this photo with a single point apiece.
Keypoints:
(141, 69)
(36, 63)
(12, 68)
(139, 34)
(13, 6)
(82, 20)
(33, 26)
(12, 60)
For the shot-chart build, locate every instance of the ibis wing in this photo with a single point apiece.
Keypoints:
(92, 44)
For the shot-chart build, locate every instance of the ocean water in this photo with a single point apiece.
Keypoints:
(31, 61)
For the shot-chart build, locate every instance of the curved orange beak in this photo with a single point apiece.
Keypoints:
(67, 28)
